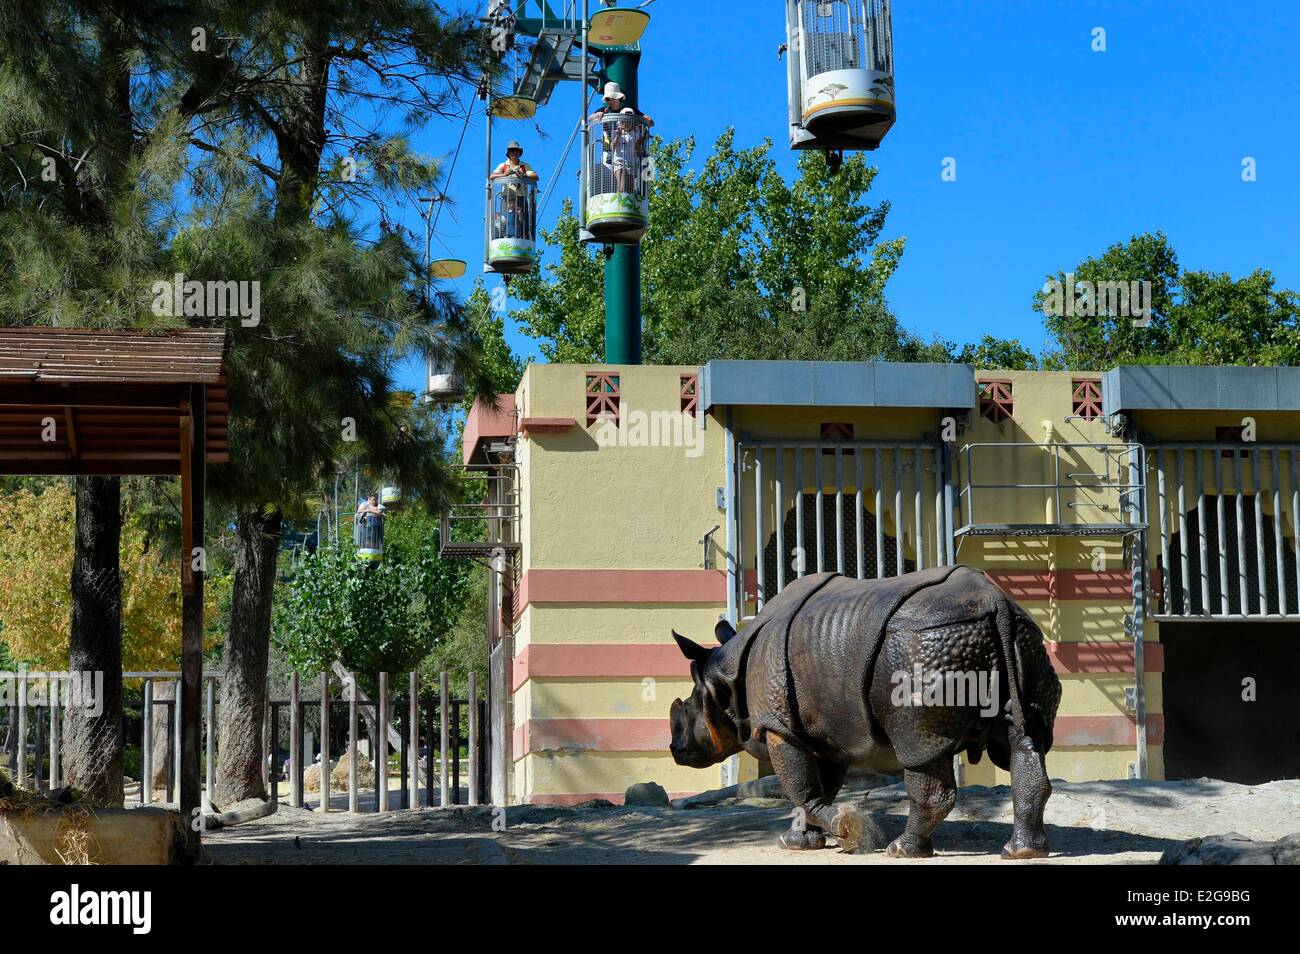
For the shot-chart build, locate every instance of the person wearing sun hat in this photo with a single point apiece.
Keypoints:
(514, 164)
(625, 144)
(515, 223)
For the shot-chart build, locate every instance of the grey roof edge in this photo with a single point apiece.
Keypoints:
(1130, 387)
(838, 384)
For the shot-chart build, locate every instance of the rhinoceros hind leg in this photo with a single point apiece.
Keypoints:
(932, 792)
(1030, 790)
(809, 839)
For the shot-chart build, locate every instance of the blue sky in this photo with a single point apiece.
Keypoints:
(1060, 150)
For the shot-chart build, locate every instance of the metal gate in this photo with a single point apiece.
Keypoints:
(1227, 540)
(868, 509)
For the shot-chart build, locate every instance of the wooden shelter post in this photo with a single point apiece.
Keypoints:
(193, 456)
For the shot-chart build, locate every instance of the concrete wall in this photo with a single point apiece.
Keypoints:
(611, 563)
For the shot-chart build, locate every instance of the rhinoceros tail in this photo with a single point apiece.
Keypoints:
(1034, 690)
(1006, 623)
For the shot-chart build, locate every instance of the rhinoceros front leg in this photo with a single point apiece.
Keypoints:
(931, 792)
(811, 785)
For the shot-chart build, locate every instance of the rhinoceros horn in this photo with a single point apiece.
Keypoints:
(723, 631)
(691, 649)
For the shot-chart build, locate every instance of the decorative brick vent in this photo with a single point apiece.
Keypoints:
(602, 396)
(690, 393)
(1087, 398)
(996, 402)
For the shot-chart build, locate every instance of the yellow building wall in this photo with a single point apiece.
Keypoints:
(587, 507)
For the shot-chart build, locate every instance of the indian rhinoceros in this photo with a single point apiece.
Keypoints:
(837, 672)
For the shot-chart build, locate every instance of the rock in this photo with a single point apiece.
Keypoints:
(594, 803)
(769, 786)
(1234, 849)
(365, 773)
(650, 794)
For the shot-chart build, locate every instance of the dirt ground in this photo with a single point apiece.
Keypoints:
(1117, 822)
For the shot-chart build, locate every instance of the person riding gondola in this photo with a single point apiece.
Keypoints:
(626, 145)
(517, 223)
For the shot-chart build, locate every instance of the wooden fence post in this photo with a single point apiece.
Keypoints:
(352, 744)
(381, 756)
(443, 707)
(146, 747)
(325, 741)
(473, 738)
(413, 744)
(295, 743)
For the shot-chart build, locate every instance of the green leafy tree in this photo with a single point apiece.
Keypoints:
(1196, 317)
(373, 617)
(737, 262)
(991, 352)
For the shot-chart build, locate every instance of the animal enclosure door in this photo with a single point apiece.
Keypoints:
(862, 508)
(1211, 727)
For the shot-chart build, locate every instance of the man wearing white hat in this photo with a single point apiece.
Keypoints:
(625, 143)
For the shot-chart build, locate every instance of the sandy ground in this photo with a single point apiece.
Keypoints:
(1120, 822)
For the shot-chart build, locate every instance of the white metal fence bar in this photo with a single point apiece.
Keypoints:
(828, 507)
(1257, 480)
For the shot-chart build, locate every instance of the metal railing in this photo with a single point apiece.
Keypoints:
(447, 724)
(866, 508)
(487, 516)
(1221, 512)
(1089, 489)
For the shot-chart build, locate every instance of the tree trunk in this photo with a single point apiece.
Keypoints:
(92, 741)
(244, 657)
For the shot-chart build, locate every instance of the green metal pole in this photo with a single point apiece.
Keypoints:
(623, 267)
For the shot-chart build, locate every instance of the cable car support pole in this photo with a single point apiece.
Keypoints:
(623, 266)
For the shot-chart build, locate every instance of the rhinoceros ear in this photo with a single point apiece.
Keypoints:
(691, 649)
(723, 631)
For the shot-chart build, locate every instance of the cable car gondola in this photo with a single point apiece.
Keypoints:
(840, 73)
(443, 385)
(368, 535)
(617, 207)
(511, 241)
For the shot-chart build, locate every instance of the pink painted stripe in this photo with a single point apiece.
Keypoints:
(621, 586)
(652, 735)
(1085, 730)
(1103, 657)
(639, 660)
(710, 586)
(541, 660)
(1067, 584)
